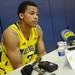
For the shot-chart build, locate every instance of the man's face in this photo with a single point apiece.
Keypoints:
(30, 16)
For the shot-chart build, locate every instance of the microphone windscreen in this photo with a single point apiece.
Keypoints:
(27, 70)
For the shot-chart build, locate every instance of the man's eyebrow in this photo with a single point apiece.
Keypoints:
(34, 11)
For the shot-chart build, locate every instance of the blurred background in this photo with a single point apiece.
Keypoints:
(54, 16)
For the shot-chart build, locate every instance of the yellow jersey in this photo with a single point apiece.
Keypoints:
(27, 47)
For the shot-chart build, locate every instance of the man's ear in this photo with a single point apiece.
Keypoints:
(21, 15)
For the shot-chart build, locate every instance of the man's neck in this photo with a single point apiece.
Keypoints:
(25, 29)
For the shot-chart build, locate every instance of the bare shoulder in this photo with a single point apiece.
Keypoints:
(9, 33)
(39, 29)
(10, 37)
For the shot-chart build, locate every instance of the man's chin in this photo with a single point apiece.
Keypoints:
(33, 25)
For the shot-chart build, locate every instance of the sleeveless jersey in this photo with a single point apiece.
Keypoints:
(27, 47)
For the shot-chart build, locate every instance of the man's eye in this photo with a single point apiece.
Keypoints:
(37, 14)
(32, 13)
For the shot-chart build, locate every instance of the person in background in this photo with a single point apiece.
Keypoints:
(68, 36)
(22, 42)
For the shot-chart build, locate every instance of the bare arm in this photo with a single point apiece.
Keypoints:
(10, 40)
(40, 42)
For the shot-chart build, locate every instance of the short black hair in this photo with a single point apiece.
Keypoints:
(23, 6)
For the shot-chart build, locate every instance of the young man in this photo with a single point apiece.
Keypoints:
(22, 42)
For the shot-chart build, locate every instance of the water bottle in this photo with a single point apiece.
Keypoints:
(61, 52)
(61, 47)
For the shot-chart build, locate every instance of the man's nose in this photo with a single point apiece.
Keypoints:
(35, 16)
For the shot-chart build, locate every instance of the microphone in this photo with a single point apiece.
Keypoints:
(27, 70)
(48, 66)
(41, 67)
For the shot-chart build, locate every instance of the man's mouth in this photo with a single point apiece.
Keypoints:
(35, 22)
